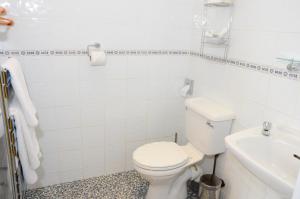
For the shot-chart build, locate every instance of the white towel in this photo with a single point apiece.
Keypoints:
(21, 90)
(29, 135)
(29, 173)
(297, 189)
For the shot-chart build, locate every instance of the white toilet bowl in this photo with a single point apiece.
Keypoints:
(167, 166)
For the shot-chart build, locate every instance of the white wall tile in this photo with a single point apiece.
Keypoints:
(157, 116)
(136, 108)
(282, 95)
(50, 162)
(43, 94)
(66, 69)
(136, 129)
(115, 108)
(49, 141)
(92, 92)
(93, 137)
(92, 114)
(66, 94)
(117, 68)
(69, 139)
(116, 89)
(70, 160)
(70, 175)
(67, 117)
(137, 89)
(137, 67)
(47, 119)
(93, 162)
(38, 69)
(115, 145)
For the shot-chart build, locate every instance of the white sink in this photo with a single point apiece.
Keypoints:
(269, 158)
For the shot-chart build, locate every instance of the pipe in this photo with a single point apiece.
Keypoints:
(179, 189)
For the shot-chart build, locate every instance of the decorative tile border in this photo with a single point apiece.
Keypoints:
(239, 63)
(276, 71)
(84, 52)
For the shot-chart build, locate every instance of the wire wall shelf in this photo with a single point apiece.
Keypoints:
(212, 37)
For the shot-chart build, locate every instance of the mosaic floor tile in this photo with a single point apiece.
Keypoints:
(125, 185)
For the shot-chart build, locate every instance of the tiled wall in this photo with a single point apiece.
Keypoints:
(261, 31)
(255, 97)
(116, 24)
(92, 118)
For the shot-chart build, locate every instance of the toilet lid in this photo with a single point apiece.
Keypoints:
(160, 156)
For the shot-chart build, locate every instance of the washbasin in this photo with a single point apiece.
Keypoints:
(273, 159)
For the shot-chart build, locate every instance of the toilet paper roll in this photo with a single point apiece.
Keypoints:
(184, 91)
(98, 58)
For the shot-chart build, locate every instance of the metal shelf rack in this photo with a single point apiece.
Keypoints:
(206, 42)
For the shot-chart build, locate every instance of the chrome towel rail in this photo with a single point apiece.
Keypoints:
(15, 181)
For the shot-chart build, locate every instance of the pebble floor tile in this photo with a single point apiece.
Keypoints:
(125, 185)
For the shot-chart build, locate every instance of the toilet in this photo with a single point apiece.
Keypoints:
(168, 166)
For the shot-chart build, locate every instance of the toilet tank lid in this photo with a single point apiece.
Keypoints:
(209, 109)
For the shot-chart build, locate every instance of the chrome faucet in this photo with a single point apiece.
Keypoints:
(267, 126)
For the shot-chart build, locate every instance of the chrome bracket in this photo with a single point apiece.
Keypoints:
(95, 45)
(209, 123)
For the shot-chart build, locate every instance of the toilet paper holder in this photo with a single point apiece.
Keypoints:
(188, 88)
(95, 46)
(190, 83)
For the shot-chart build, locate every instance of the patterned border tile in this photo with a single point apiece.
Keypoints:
(84, 52)
(117, 52)
(272, 70)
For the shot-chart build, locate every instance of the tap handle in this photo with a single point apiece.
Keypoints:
(267, 126)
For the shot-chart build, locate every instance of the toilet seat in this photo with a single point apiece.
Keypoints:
(160, 156)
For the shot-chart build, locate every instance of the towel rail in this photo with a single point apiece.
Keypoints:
(16, 181)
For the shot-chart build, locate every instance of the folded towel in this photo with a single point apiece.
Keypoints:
(21, 90)
(29, 173)
(297, 189)
(29, 135)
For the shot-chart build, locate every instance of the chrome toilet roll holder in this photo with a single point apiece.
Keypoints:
(96, 46)
(190, 83)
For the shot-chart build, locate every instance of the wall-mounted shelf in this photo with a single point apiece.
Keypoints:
(296, 61)
(293, 64)
(218, 3)
(216, 43)
(216, 31)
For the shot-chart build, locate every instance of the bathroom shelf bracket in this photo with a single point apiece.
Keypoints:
(293, 64)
